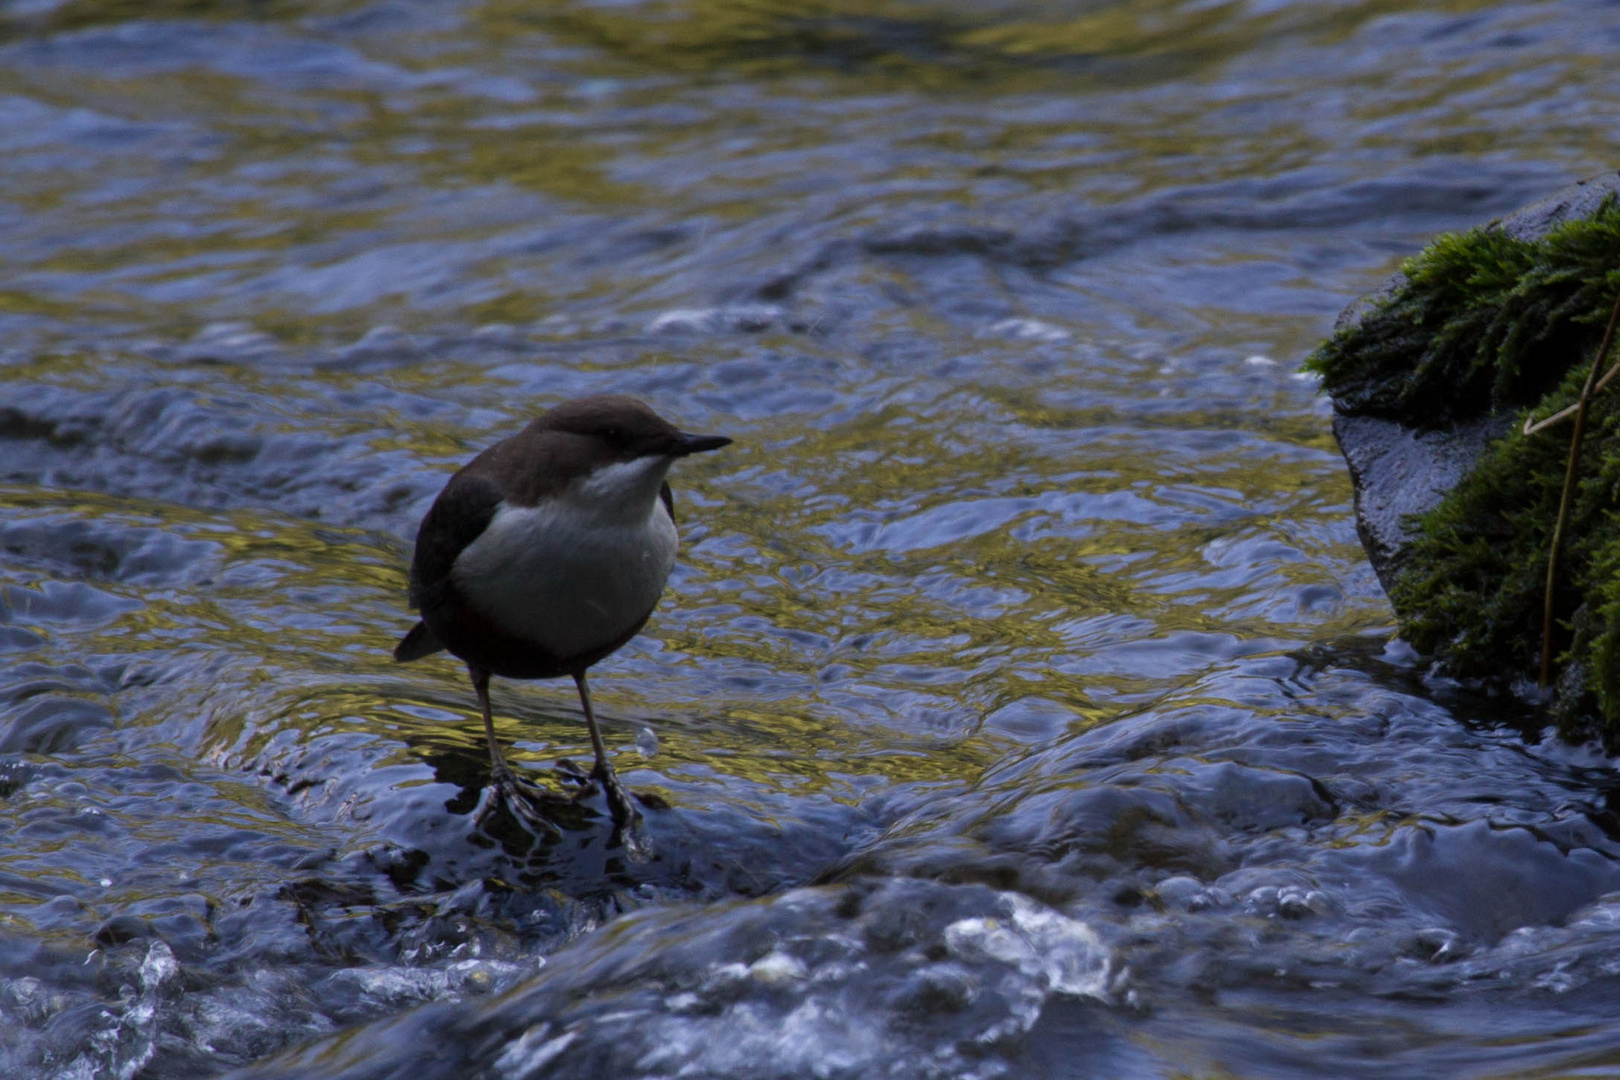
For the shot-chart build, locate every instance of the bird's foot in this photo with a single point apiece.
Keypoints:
(629, 831)
(523, 800)
(571, 771)
(620, 805)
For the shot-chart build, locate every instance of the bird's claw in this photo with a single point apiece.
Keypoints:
(520, 799)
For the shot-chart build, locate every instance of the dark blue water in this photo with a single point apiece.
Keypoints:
(1023, 703)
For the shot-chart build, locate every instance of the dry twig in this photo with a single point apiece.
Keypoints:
(1592, 385)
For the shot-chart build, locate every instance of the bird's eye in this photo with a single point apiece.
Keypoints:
(613, 435)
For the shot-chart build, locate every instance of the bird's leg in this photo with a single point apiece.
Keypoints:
(505, 783)
(619, 803)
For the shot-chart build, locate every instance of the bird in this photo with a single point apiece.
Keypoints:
(548, 552)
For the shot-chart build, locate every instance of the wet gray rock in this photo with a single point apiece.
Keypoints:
(1399, 470)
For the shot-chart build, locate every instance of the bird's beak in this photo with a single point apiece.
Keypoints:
(683, 444)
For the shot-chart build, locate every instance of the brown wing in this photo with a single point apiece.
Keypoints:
(458, 516)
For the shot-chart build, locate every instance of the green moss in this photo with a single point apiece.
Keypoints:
(1604, 652)
(1483, 322)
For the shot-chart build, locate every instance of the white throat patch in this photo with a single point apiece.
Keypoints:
(580, 569)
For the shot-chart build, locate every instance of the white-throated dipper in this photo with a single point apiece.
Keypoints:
(547, 552)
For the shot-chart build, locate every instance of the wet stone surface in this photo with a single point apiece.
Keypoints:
(1022, 704)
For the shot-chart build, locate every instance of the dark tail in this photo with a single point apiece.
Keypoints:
(418, 643)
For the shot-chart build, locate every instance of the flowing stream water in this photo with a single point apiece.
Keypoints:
(1022, 704)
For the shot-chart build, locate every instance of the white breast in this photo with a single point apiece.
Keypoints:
(576, 571)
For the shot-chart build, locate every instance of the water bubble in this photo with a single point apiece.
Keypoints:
(647, 742)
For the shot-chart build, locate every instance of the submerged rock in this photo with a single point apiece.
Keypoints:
(1432, 377)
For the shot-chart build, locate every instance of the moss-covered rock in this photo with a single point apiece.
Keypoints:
(1432, 378)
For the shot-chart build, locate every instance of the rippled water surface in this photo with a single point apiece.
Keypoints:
(1022, 705)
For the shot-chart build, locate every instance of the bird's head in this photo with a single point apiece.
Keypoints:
(628, 448)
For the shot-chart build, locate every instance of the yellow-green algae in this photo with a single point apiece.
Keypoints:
(1485, 322)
